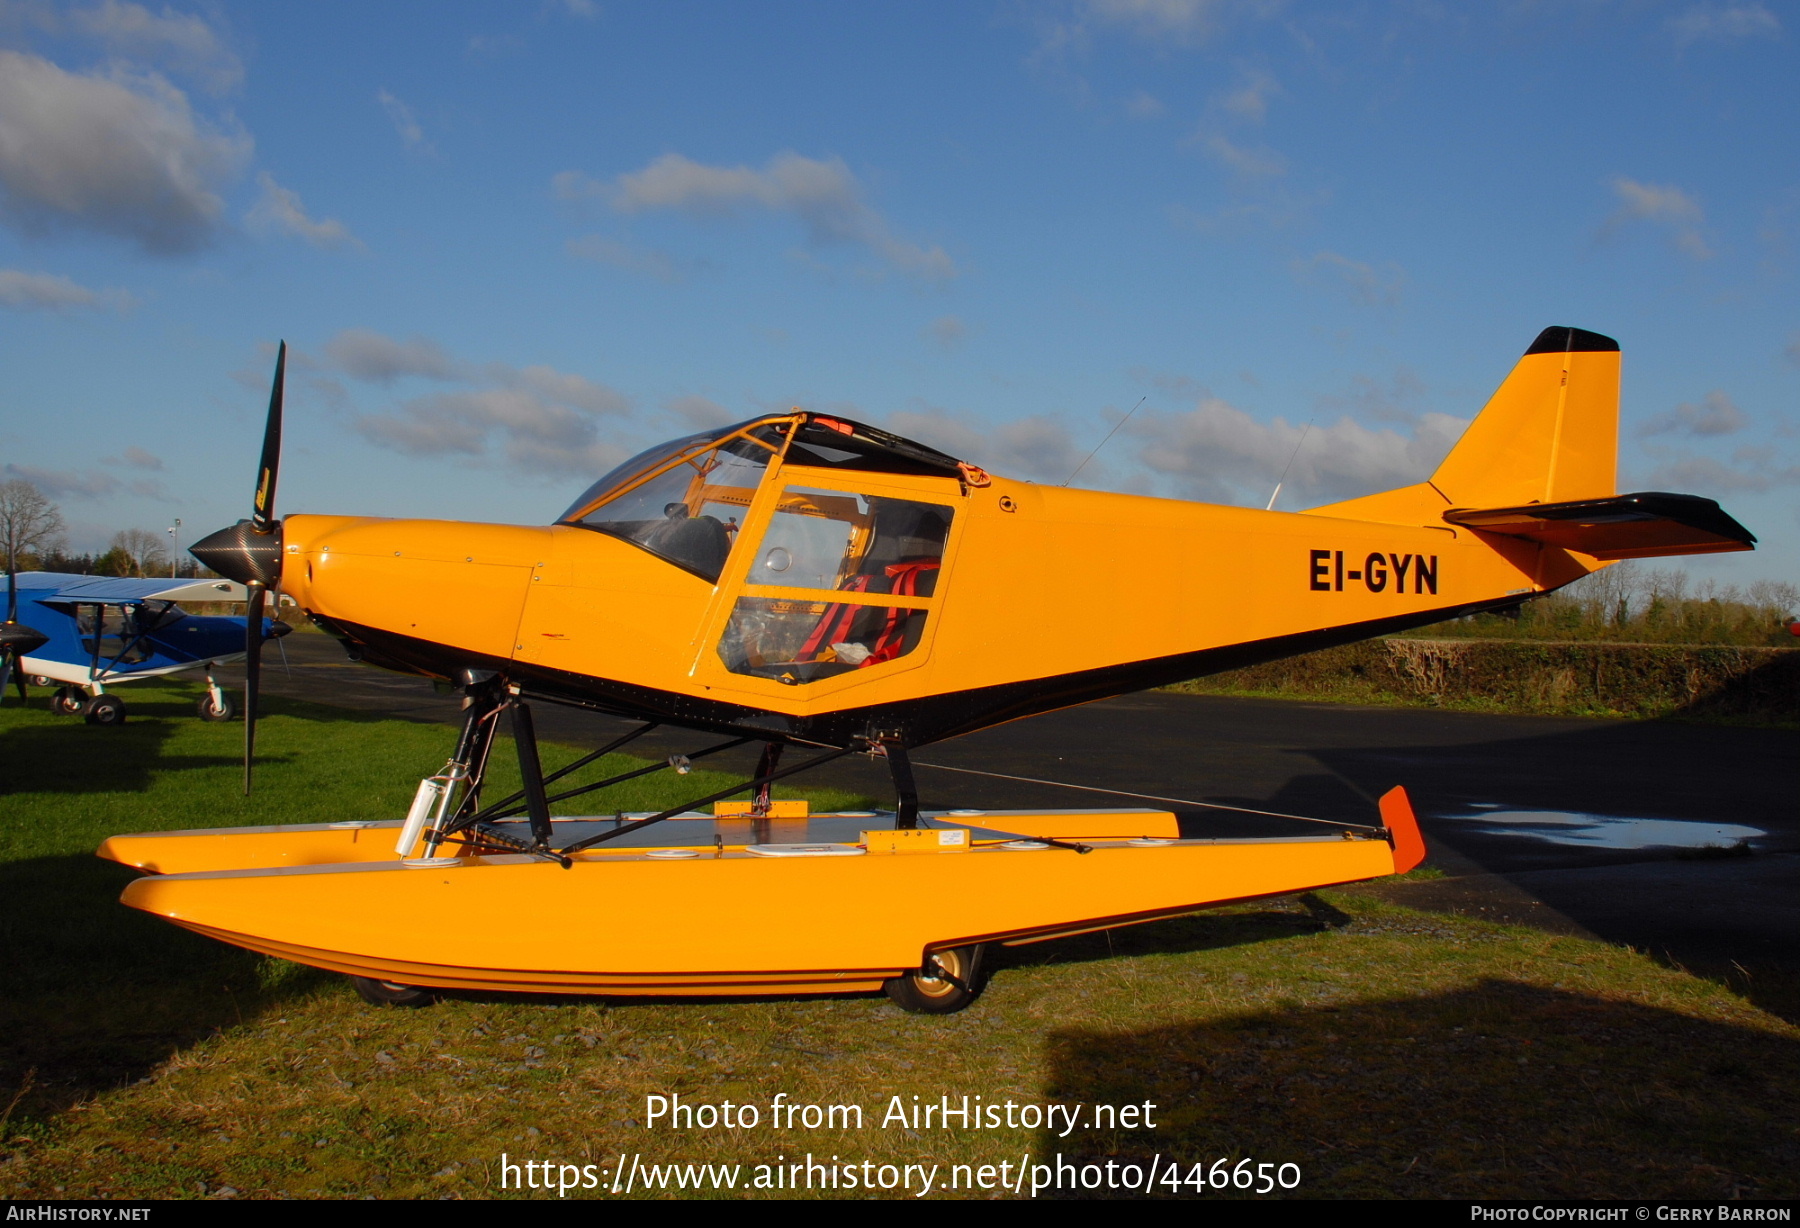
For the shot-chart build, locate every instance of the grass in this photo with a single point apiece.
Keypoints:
(1382, 1051)
(1358, 694)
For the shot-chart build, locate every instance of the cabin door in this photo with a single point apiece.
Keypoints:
(842, 585)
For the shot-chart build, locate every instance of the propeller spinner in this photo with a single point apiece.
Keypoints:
(250, 553)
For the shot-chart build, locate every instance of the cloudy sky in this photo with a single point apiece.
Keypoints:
(509, 244)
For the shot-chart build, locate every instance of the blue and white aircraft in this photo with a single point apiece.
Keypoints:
(99, 631)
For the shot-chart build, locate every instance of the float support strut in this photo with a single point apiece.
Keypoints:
(906, 806)
(765, 767)
(531, 774)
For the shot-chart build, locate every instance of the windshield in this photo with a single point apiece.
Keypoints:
(682, 501)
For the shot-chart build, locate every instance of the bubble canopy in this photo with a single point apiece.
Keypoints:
(685, 500)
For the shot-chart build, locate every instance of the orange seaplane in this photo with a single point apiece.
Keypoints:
(803, 581)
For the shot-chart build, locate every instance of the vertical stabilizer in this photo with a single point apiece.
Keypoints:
(1549, 434)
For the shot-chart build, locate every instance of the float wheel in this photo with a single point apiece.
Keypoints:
(387, 993)
(948, 981)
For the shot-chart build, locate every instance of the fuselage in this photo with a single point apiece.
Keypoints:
(1037, 598)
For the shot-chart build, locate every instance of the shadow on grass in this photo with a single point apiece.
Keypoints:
(99, 994)
(46, 753)
(1175, 936)
(81, 758)
(1498, 1090)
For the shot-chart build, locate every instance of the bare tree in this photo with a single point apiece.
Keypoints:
(140, 550)
(29, 522)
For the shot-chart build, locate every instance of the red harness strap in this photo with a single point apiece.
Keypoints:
(888, 644)
(834, 625)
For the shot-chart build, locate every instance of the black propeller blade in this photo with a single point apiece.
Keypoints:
(250, 553)
(16, 639)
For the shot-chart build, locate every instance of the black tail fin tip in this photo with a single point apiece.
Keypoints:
(1559, 340)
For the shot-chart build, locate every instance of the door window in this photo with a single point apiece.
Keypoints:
(878, 556)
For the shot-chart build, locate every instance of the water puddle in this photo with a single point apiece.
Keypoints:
(1605, 831)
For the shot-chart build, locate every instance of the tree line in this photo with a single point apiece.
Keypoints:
(32, 538)
(1631, 602)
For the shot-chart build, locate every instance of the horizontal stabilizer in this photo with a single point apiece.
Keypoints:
(1645, 525)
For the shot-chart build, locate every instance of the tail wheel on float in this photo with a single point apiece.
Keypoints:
(386, 993)
(223, 710)
(67, 701)
(948, 981)
(105, 710)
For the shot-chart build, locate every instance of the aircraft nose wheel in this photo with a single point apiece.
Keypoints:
(223, 710)
(386, 993)
(105, 710)
(949, 981)
(67, 701)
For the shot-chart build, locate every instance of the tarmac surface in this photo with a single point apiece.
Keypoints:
(1679, 839)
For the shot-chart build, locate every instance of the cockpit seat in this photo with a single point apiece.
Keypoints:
(698, 543)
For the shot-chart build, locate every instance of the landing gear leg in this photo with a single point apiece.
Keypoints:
(215, 705)
(765, 766)
(907, 792)
(469, 762)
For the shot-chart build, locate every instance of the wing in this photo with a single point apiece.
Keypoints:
(100, 590)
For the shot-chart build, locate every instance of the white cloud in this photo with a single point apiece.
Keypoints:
(947, 331)
(1716, 414)
(603, 250)
(509, 424)
(587, 10)
(1663, 206)
(1277, 212)
(1723, 23)
(67, 483)
(1248, 163)
(1177, 21)
(404, 121)
(122, 154)
(701, 413)
(1375, 287)
(1393, 399)
(1219, 453)
(534, 419)
(1702, 475)
(279, 211)
(179, 42)
(140, 459)
(1250, 101)
(822, 194)
(1037, 447)
(559, 386)
(53, 292)
(379, 359)
(1142, 106)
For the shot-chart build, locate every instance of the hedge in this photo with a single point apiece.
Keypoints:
(1564, 678)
